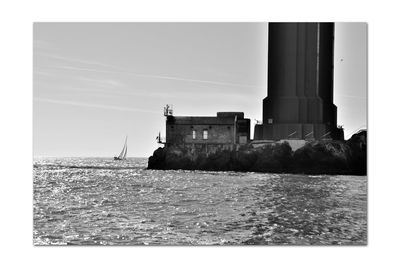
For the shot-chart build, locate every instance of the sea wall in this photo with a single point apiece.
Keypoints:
(317, 157)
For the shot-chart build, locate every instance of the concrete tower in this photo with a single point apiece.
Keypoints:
(299, 104)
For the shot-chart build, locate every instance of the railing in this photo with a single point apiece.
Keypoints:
(292, 134)
(328, 133)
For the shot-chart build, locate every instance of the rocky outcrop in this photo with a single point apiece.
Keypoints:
(317, 157)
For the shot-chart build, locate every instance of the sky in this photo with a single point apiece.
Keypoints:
(95, 83)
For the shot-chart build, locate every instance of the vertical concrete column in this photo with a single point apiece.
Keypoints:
(300, 79)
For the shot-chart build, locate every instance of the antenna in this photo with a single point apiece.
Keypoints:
(168, 111)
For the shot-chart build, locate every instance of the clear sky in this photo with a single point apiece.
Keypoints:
(95, 83)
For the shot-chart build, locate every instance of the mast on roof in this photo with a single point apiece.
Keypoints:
(168, 110)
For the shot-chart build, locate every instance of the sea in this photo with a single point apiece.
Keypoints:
(100, 201)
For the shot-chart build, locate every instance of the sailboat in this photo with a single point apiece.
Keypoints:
(122, 155)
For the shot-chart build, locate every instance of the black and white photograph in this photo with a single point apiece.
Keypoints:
(200, 133)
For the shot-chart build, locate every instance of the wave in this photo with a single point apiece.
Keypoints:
(56, 166)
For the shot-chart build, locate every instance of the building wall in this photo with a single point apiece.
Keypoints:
(220, 130)
(183, 133)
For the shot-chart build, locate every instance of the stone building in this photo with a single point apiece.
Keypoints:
(225, 131)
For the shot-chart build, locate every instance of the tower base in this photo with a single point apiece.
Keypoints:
(279, 131)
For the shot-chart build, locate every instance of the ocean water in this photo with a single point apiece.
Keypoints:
(98, 201)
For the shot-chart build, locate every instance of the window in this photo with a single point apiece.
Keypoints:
(270, 121)
(205, 134)
(194, 134)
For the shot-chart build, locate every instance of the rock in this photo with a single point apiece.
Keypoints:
(322, 157)
(357, 155)
(317, 157)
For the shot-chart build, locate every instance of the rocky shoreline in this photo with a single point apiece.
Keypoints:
(318, 157)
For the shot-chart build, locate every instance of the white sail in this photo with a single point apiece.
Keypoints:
(122, 155)
(126, 150)
(122, 152)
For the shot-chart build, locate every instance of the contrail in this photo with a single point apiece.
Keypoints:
(124, 71)
(158, 76)
(90, 105)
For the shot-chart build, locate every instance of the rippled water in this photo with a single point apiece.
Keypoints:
(94, 201)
